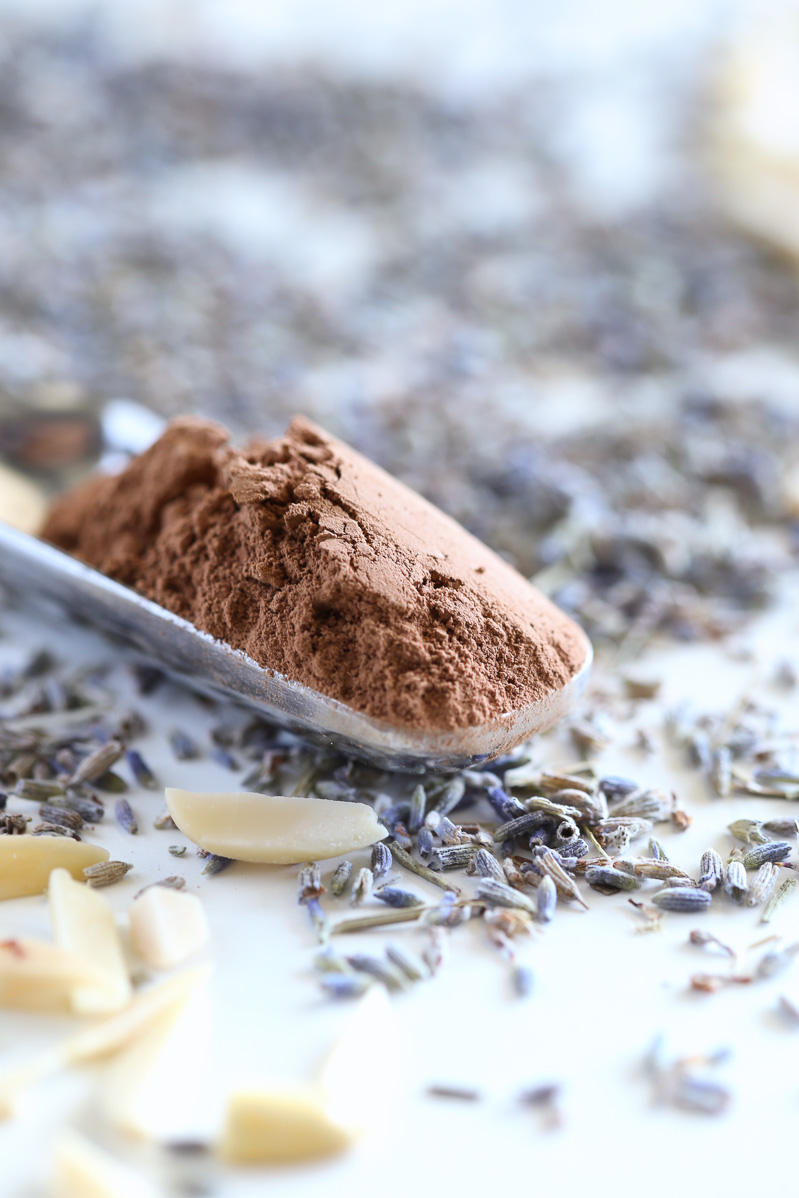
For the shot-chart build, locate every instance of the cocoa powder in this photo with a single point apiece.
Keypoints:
(322, 567)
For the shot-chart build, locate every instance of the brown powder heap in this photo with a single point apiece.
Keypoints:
(321, 566)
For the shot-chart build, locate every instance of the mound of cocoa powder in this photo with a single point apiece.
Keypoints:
(322, 567)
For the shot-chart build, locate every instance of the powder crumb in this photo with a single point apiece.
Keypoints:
(322, 567)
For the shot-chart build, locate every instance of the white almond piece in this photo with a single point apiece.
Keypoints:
(38, 976)
(347, 1077)
(150, 1089)
(167, 926)
(23, 505)
(84, 923)
(284, 1124)
(273, 828)
(26, 862)
(103, 1037)
(82, 1170)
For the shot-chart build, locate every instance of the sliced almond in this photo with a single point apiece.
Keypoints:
(346, 1078)
(84, 923)
(292, 1124)
(23, 504)
(26, 862)
(38, 976)
(150, 1088)
(167, 926)
(103, 1037)
(273, 828)
(82, 1170)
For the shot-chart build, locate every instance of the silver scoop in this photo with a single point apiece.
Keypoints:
(50, 580)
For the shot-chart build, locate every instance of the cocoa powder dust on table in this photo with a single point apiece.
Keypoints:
(322, 567)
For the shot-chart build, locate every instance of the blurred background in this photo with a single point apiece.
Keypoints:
(535, 259)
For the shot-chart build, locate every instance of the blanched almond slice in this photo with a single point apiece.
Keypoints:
(167, 926)
(103, 1037)
(23, 505)
(82, 1170)
(273, 828)
(263, 1126)
(84, 923)
(26, 862)
(150, 1089)
(38, 976)
(346, 1078)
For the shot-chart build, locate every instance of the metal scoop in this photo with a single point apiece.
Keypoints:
(64, 587)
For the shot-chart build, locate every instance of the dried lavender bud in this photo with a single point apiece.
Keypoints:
(546, 899)
(782, 827)
(499, 894)
(394, 896)
(646, 804)
(111, 782)
(450, 796)
(338, 883)
(62, 816)
(329, 961)
(46, 829)
(605, 877)
(777, 899)
(523, 980)
(362, 887)
(523, 826)
(506, 806)
(105, 873)
(140, 770)
(214, 864)
(173, 882)
(456, 856)
(657, 851)
(614, 787)
(424, 842)
(345, 985)
(392, 978)
(775, 850)
(90, 810)
(775, 961)
(38, 791)
(549, 863)
(416, 813)
(701, 1095)
(616, 834)
(223, 757)
(750, 831)
(721, 771)
(177, 850)
(449, 833)
(12, 825)
(164, 822)
(407, 962)
(402, 857)
(125, 817)
(459, 1093)
(661, 870)
(563, 836)
(486, 864)
(401, 838)
(98, 762)
(184, 748)
(711, 870)
(682, 898)
(762, 885)
(309, 882)
(735, 880)
(382, 860)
